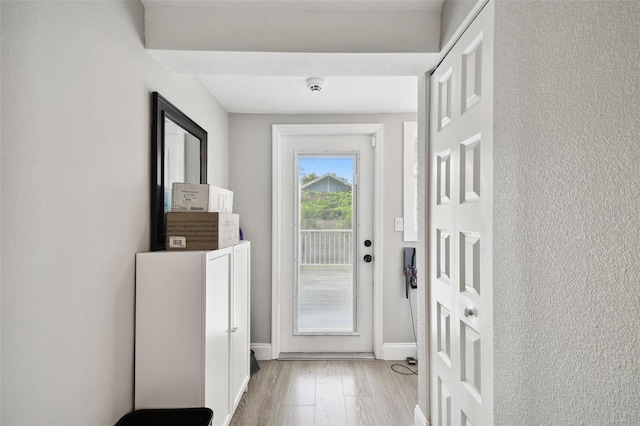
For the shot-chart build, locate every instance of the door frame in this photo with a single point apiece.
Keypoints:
(375, 130)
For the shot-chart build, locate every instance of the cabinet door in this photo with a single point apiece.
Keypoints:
(240, 322)
(169, 330)
(217, 273)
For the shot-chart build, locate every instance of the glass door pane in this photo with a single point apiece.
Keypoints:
(326, 285)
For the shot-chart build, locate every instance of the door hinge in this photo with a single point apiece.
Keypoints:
(373, 141)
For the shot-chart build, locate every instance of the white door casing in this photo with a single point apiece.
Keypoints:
(282, 305)
(460, 210)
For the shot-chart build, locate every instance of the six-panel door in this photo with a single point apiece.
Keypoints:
(460, 282)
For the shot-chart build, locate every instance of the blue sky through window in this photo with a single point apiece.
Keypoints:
(340, 166)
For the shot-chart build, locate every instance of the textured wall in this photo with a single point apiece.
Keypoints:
(75, 173)
(567, 213)
(250, 179)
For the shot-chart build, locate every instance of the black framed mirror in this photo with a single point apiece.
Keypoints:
(178, 154)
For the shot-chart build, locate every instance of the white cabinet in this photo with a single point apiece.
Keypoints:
(240, 321)
(192, 329)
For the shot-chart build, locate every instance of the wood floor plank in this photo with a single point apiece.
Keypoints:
(354, 379)
(407, 383)
(330, 406)
(252, 397)
(299, 415)
(302, 384)
(362, 411)
(386, 394)
(246, 402)
(267, 408)
(279, 395)
(272, 411)
(243, 406)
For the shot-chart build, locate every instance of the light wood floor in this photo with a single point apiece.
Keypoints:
(314, 393)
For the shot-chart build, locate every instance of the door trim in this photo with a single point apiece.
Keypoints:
(278, 132)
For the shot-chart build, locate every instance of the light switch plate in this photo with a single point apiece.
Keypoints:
(399, 224)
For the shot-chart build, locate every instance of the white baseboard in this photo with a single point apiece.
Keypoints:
(419, 419)
(262, 350)
(390, 351)
(399, 351)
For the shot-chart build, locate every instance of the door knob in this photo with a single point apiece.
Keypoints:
(469, 312)
(368, 258)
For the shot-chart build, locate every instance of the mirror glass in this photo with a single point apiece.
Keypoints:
(181, 159)
(179, 154)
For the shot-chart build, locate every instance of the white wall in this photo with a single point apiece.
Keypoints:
(286, 27)
(76, 112)
(454, 14)
(250, 179)
(567, 213)
(0, 218)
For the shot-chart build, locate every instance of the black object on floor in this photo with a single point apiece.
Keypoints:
(168, 417)
(253, 365)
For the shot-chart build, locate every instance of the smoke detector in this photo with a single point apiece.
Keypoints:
(315, 84)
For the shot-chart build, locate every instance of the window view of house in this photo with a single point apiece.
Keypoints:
(325, 301)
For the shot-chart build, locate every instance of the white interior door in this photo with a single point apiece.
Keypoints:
(460, 282)
(326, 298)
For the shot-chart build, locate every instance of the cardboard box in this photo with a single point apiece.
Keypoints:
(189, 197)
(220, 200)
(192, 197)
(202, 230)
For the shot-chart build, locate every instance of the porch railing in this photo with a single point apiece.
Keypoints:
(326, 247)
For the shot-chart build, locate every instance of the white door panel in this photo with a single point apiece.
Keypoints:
(460, 207)
(293, 336)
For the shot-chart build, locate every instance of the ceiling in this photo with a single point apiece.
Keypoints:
(245, 81)
(290, 95)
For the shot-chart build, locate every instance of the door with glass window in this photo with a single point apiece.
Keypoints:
(327, 263)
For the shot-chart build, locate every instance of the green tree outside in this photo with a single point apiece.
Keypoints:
(324, 210)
